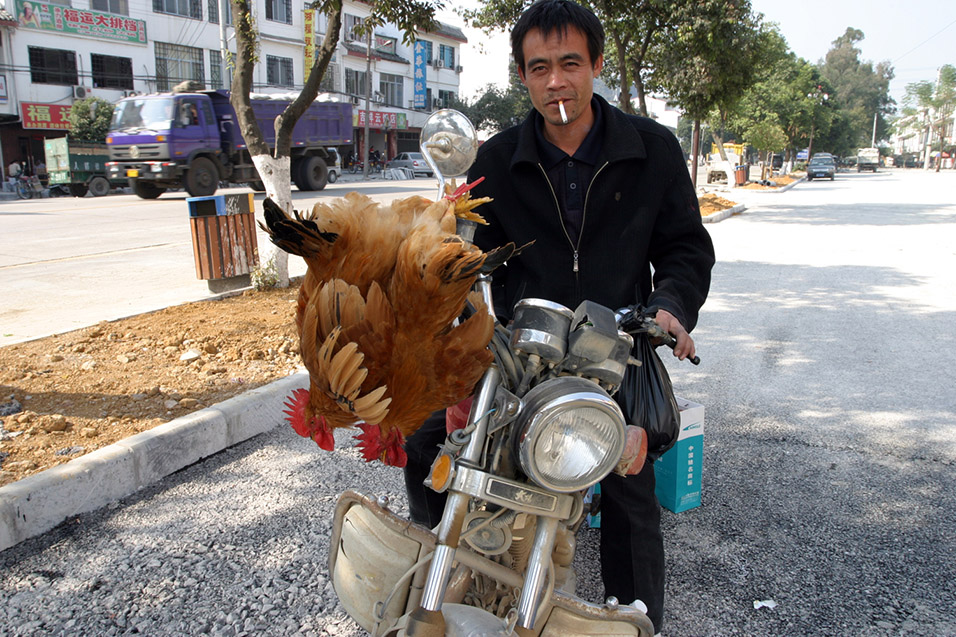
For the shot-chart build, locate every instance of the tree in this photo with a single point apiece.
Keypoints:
(934, 103)
(90, 119)
(275, 170)
(766, 136)
(497, 109)
(709, 59)
(860, 92)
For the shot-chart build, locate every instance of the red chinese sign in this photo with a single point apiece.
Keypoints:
(48, 116)
(380, 119)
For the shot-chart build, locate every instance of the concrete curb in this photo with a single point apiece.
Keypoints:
(723, 214)
(38, 503)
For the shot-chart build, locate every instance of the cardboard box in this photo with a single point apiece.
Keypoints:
(679, 471)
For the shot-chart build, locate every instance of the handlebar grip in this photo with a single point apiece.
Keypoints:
(671, 342)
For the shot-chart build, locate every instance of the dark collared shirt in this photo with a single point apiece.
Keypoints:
(570, 176)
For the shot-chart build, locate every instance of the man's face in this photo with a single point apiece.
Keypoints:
(559, 67)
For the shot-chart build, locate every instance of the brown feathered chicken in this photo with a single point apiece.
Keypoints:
(375, 315)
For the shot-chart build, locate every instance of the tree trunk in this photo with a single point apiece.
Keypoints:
(695, 151)
(274, 166)
(720, 144)
(624, 96)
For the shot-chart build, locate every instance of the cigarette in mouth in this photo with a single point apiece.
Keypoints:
(564, 114)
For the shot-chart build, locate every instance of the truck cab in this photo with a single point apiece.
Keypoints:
(166, 141)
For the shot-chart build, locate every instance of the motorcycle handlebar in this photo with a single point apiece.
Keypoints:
(637, 320)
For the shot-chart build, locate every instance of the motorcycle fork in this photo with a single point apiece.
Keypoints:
(456, 507)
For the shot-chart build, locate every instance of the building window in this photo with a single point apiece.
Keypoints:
(52, 66)
(111, 6)
(445, 98)
(392, 88)
(213, 10)
(328, 83)
(185, 8)
(215, 69)
(351, 25)
(428, 51)
(279, 11)
(279, 71)
(355, 82)
(176, 63)
(112, 72)
(446, 54)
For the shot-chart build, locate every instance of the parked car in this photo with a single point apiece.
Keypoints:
(821, 167)
(334, 163)
(415, 161)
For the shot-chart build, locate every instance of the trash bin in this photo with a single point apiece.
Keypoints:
(740, 175)
(223, 229)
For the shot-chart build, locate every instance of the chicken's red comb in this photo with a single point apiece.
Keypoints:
(462, 189)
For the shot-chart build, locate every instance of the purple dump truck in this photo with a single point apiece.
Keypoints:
(192, 140)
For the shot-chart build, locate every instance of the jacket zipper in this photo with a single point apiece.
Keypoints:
(584, 212)
(557, 207)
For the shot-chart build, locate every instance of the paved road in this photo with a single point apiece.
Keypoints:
(828, 464)
(66, 263)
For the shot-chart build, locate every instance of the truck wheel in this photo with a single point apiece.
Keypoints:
(99, 186)
(78, 190)
(202, 178)
(146, 190)
(332, 176)
(313, 173)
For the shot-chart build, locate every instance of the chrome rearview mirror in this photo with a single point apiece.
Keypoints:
(449, 143)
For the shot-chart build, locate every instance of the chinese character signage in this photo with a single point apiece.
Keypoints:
(48, 116)
(105, 26)
(419, 70)
(309, 41)
(380, 120)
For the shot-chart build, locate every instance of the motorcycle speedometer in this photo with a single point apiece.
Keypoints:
(569, 434)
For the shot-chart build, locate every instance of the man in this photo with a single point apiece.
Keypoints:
(604, 196)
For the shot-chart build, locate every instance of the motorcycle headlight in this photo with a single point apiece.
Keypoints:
(569, 435)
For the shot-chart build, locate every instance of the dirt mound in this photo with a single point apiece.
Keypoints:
(83, 390)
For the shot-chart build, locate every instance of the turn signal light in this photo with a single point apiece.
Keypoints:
(442, 472)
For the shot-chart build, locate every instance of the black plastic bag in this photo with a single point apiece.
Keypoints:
(647, 398)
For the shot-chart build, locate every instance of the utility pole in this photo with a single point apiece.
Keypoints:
(368, 99)
(873, 140)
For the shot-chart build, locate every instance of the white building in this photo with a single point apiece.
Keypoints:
(52, 53)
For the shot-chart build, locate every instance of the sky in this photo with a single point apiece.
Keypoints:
(915, 36)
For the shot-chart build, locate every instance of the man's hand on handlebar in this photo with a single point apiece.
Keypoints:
(669, 323)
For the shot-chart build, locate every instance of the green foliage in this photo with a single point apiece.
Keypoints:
(90, 119)
(766, 136)
(265, 276)
(710, 58)
(860, 92)
(497, 109)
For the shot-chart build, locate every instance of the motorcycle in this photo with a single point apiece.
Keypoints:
(542, 428)
(29, 186)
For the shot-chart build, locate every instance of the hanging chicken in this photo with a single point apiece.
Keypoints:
(375, 315)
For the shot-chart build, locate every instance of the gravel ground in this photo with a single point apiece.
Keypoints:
(830, 441)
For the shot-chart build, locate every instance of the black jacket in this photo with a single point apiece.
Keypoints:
(640, 210)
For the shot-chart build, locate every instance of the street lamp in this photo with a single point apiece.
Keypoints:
(818, 97)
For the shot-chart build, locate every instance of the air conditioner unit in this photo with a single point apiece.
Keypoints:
(355, 99)
(441, 64)
(458, 69)
(436, 102)
(80, 92)
(436, 63)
